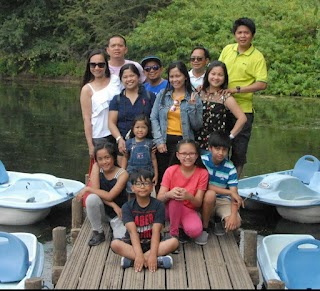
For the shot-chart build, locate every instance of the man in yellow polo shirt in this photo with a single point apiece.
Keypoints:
(247, 72)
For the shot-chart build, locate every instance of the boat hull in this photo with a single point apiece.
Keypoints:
(294, 200)
(12, 216)
(28, 198)
(309, 214)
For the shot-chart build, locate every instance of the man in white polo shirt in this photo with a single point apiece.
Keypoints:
(199, 60)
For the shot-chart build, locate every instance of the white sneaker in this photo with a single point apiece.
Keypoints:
(202, 239)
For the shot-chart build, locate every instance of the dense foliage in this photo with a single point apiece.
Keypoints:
(288, 34)
(49, 37)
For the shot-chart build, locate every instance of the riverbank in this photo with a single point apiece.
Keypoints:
(28, 78)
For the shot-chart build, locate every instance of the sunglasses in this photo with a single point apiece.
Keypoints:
(149, 68)
(199, 59)
(100, 65)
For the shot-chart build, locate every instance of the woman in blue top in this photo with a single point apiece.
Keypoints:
(176, 115)
(132, 101)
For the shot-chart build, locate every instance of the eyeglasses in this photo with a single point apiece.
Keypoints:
(193, 59)
(140, 184)
(149, 68)
(100, 65)
(191, 155)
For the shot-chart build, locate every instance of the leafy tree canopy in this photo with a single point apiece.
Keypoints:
(288, 34)
(49, 37)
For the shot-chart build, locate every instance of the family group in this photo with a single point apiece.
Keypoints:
(183, 137)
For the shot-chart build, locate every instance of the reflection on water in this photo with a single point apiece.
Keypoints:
(41, 131)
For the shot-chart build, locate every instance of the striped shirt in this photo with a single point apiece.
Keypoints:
(223, 175)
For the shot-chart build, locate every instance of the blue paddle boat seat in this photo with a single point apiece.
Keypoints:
(305, 168)
(298, 264)
(14, 258)
(4, 177)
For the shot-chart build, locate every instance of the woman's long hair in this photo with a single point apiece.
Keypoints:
(184, 70)
(212, 65)
(87, 77)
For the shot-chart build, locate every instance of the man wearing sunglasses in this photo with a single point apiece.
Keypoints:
(199, 60)
(152, 68)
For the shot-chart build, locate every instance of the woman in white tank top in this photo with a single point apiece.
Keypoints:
(98, 88)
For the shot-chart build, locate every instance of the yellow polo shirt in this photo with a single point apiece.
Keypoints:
(243, 70)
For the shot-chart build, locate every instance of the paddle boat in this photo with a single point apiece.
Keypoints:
(291, 258)
(295, 193)
(21, 258)
(27, 198)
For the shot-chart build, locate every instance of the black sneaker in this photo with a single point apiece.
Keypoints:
(219, 228)
(183, 238)
(97, 238)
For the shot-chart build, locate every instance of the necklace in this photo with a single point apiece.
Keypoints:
(214, 96)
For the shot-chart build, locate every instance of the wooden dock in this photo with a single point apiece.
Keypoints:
(216, 265)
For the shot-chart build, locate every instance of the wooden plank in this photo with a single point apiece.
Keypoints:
(132, 279)
(113, 273)
(176, 277)
(75, 263)
(238, 273)
(196, 267)
(156, 280)
(92, 272)
(216, 266)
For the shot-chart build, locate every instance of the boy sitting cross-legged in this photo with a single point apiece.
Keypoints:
(144, 217)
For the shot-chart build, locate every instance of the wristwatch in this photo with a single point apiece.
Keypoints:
(118, 138)
(238, 89)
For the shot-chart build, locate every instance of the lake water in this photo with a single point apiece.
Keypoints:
(41, 131)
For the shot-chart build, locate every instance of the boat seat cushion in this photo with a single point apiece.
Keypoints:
(4, 177)
(298, 264)
(305, 167)
(14, 258)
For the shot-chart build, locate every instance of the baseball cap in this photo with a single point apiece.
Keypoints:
(150, 58)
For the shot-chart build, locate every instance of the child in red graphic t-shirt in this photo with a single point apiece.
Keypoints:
(144, 218)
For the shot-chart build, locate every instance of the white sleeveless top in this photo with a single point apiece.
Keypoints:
(100, 101)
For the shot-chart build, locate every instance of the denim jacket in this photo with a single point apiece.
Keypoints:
(191, 116)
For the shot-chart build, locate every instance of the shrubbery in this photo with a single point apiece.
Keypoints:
(51, 38)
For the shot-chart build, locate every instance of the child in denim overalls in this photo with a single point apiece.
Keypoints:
(139, 152)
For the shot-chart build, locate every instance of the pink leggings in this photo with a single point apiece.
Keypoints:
(182, 216)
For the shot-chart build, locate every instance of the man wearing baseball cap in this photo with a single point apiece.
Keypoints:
(152, 68)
